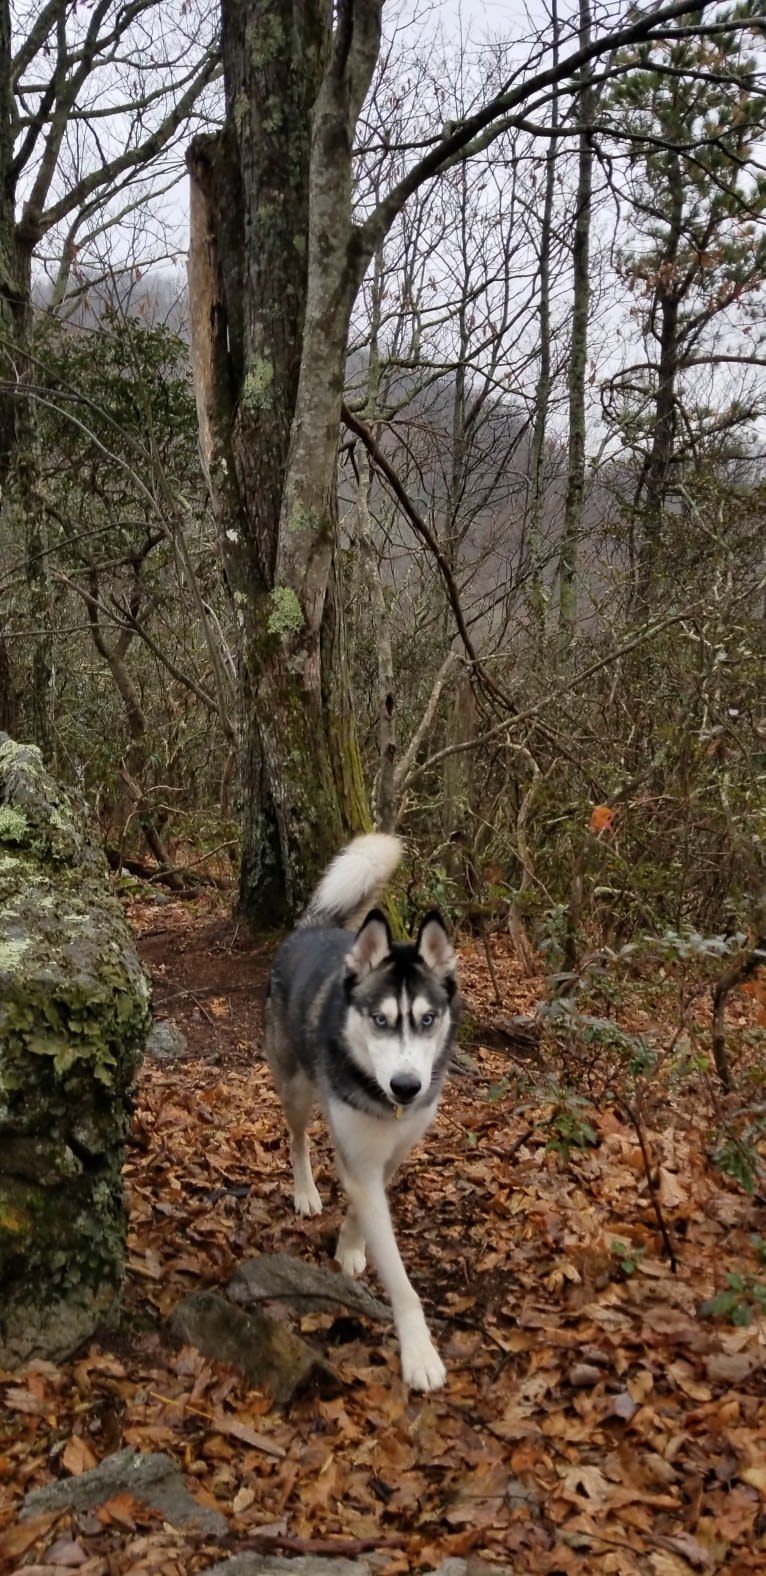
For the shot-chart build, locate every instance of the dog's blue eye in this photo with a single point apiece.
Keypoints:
(427, 1019)
(380, 1020)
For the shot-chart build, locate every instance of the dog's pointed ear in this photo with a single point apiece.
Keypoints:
(434, 946)
(373, 944)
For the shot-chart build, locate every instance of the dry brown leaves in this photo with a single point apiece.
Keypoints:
(592, 1422)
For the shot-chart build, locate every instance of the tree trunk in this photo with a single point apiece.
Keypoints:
(19, 460)
(653, 484)
(25, 490)
(457, 804)
(578, 355)
(9, 286)
(538, 448)
(271, 305)
(378, 623)
(8, 695)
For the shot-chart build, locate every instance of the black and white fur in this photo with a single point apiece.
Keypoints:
(364, 1025)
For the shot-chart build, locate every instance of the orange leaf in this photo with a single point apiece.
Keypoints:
(17, 1540)
(77, 1456)
(120, 1509)
(602, 818)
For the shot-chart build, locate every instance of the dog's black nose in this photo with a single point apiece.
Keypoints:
(405, 1087)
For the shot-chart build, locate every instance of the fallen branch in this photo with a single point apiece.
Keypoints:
(633, 1115)
(744, 969)
(339, 1548)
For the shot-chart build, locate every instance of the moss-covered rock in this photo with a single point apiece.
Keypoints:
(74, 1014)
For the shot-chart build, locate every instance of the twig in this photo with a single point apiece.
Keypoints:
(341, 1548)
(490, 962)
(180, 870)
(200, 1008)
(736, 975)
(518, 1143)
(633, 1115)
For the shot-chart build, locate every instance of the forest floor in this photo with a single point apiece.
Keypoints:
(594, 1419)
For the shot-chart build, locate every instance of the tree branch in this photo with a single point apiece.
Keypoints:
(478, 131)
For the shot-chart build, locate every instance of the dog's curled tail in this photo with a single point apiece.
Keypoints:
(351, 885)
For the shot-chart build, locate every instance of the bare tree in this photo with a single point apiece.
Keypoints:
(690, 176)
(90, 99)
(277, 263)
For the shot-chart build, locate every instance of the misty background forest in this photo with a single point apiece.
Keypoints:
(550, 564)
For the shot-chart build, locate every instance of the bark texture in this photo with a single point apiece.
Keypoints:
(73, 1020)
(271, 300)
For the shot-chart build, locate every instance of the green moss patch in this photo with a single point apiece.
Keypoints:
(74, 1014)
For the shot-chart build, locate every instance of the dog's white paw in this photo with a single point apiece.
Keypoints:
(422, 1367)
(350, 1248)
(353, 1261)
(307, 1201)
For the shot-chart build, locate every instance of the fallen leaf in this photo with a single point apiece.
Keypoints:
(684, 1378)
(602, 818)
(755, 1477)
(121, 1509)
(590, 1481)
(668, 1565)
(234, 1428)
(672, 1194)
(640, 1385)
(66, 1552)
(731, 1367)
(15, 1541)
(77, 1456)
(16, 1398)
(685, 1544)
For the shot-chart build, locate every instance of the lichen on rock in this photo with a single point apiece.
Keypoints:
(74, 1014)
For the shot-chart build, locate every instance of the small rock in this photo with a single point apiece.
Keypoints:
(473, 1566)
(583, 1376)
(623, 1406)
(269, 1354)
(308, 1288)
(154, 1479)
(166, 1042)
(67, 1552)
(323, 1565)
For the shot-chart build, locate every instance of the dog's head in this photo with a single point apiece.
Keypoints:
(402, 1007)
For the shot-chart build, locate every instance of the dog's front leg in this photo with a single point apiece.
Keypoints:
(350, 1252)
(369, 1220)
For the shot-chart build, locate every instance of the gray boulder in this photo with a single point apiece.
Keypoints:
(153, 1479)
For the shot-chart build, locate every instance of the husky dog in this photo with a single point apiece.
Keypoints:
(364, 1025)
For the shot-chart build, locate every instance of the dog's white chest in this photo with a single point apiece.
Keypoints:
(368, 1144)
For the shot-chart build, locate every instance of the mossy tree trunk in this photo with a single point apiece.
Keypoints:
(18, 459)
(73, 1020)
(271, 304)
